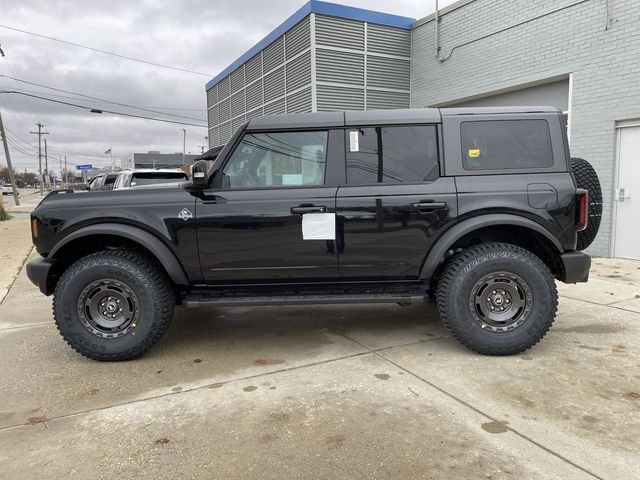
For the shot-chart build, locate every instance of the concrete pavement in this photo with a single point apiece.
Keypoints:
(328, 392)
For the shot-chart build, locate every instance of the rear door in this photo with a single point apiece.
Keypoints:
(250, 226)
(394, 203)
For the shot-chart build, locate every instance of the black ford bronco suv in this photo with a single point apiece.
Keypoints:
(479, 210)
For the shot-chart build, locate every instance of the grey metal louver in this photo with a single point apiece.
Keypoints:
(299, 72)
(389, 40)
(339, 32)
(253, 68)
(237, 79)
(298, 38)
(212, 115)
(225, 132)
(339, 67)
(236, 122)
(214, 137)
(223, 89)
(254, 113)
(275, 107)
(254, 95)
(225, 112)
(299, 102)
(332, 98)
(212, 95)
(380, 100)
(237, 104)
(273, 55)
(274, 84)
(388, 72)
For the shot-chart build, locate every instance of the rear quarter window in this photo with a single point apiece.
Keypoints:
(506, 144)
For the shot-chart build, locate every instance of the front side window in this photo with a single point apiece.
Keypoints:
(506, 144)
(407, 154)
(278, 159)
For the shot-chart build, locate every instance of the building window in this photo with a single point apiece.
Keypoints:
(392, 155)
(506, 144)
(285, 159)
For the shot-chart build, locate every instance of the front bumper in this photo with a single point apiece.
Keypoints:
(39, 272)
(576, 267)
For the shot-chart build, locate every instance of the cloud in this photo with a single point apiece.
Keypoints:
(199, 35)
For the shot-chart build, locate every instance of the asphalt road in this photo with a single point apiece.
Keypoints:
(328, 392)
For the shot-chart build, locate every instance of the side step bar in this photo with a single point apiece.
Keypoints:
(196, 301)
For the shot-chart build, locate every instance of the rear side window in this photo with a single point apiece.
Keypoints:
(506, 144)
(392, 155)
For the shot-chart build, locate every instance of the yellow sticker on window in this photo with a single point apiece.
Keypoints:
(474, 152)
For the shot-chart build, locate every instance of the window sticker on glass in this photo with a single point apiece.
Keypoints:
(319, 226)
(353, 141)
(474, 152)
(292, 179)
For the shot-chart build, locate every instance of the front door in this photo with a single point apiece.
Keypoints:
(250, 227)
(394, 204)
(628, 194)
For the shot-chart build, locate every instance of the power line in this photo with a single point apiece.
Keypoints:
(106, 52)
(101, 110)
(95, 98)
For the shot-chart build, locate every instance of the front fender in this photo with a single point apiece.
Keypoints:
(152, 243)
(438, 252)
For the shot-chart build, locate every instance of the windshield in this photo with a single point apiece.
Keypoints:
(151, 178)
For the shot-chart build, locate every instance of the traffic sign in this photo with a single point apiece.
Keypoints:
(87, 166)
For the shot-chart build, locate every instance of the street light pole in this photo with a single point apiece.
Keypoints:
(6, 153)
(40, 133)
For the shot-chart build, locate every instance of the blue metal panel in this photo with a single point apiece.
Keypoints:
(323, 8)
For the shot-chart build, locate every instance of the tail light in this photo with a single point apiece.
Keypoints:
(582, 209)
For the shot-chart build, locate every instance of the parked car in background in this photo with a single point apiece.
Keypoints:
(147, 177)
(104, 181)
(7, 189)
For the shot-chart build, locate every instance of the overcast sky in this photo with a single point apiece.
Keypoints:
(199, 35)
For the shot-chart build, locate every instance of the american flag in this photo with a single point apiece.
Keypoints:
(107, 151)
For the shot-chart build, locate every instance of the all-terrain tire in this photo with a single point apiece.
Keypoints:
(458, 293)
(137, 280)
(587, 178)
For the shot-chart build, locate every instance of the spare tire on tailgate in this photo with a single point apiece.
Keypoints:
(587, 178)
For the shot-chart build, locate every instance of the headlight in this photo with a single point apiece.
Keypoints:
(34, 227)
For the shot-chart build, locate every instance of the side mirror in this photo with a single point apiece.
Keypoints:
(199, 173)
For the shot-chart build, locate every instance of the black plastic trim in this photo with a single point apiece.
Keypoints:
(438, 252)
(576, 267)
(159, 250)
(38, 272)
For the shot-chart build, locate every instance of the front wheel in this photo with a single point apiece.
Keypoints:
(113, 305)
(497, 298)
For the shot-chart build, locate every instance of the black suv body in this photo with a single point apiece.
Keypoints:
(475, 208)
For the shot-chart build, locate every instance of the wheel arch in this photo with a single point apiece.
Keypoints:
(113, 235)
(495, 227)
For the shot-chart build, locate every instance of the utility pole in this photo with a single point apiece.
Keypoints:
(46, 166)
(61, 177)
(40, 133)
(6, 152)
(184, 142)
(66, 173)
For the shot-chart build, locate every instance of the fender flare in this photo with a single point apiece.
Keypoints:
(437, 253)
(149, 241)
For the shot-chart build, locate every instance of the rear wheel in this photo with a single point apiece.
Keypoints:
(113, 305)
(587, 178)
(497, 298)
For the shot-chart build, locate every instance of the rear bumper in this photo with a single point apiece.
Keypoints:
(576, 267)
(38, 271)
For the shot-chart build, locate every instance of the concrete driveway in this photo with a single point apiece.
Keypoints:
(328, 392)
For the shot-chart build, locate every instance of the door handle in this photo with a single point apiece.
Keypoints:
(302, 209)
(429, 206)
